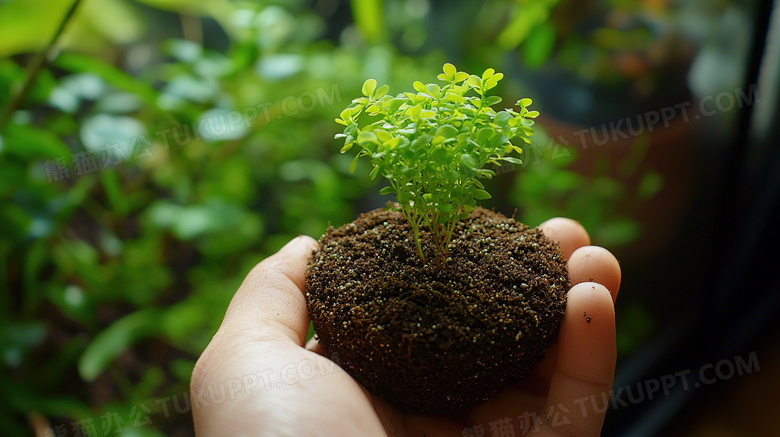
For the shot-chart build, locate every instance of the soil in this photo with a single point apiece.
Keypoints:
(437, 339)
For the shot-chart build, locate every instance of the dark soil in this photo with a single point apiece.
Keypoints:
(436, 340)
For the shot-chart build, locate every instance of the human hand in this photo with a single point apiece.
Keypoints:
(256, 377)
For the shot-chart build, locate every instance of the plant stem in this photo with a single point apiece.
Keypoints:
(450, 228)
(415, 224)
(417, 243)
(35, 67)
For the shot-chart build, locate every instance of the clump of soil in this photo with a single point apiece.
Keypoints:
(437, 339)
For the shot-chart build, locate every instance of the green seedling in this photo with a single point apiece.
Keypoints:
(432, 146)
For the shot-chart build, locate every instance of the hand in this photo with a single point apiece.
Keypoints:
(257, 378)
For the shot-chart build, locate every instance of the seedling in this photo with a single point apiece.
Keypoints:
(433, 145)
(495, 300)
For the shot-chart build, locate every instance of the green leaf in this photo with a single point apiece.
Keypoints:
(440, 155)
(381, 91)
(366, 137)
(183, 50)
(474, 81)
(539, 45)
(480, 194)
(492, 100)
(461, 76)
(114, 340)
(512, 159)
(447, 131)
(420, 87)
(524, 19)
(426, 114)
(78, 63)
(386, 190)
(395, 142)
(383, 136)
(346, 114)
(28, 142)
(450, 175)
(353, 164)
(446, 208)
(394, 105)
(368, 87)
(449, 70)
(502, 118)
(369, 17)
(413, 111)
(113, 190)
(468, 161)
(484, 134)
(103, 131)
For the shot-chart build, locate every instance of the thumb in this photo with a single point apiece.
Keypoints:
(271, 301)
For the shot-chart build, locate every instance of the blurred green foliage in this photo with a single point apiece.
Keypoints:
(167, 146)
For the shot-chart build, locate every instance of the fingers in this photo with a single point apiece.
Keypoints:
(314, 345)
(569, 234)
(271, 300)
(595, 264)
(254, 376)
(586, 264)
(585, 369)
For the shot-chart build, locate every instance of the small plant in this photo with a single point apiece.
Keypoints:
(407, 328)
(432, 146)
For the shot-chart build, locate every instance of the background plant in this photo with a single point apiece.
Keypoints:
(432, 146)
(113, 278)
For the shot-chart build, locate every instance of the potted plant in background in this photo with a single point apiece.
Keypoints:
(434, 303)
(611, 75)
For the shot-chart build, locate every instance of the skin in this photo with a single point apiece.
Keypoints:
(257, 377)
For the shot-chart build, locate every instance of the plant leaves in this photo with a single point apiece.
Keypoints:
(353, 164)
(28, 142)
(481, 194)
(492, 100)
(368, 87)
(114, 340)
(468, 161)
(381, 91)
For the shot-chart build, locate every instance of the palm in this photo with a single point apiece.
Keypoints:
(272, 385)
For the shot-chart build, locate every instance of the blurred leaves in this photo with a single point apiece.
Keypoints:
(27, 143)
(526, 17)
(97, 24)
(134, 200)
(114, 340)
(546, 187)
(77, 63)
(102, 129)
(167, 146)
